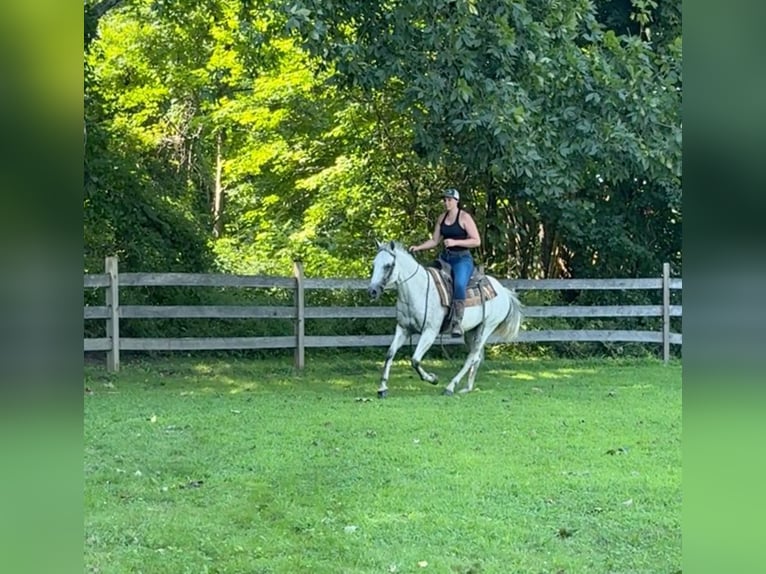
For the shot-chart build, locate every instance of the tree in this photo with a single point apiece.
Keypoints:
(320, 174)
(559, 122)
(531, 107)
(163, 89)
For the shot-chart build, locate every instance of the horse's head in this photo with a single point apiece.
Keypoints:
(384, 269)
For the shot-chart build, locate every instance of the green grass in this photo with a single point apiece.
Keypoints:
(250, 467)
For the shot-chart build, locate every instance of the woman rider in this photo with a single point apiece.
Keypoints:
(458, 231)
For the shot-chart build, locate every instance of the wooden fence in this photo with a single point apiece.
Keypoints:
(112, 312)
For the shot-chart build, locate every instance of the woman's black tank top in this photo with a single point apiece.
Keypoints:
(453, 231)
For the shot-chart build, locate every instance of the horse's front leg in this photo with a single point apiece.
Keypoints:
(400, 335)
(424, 343)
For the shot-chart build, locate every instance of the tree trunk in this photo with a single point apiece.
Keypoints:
(218, 192)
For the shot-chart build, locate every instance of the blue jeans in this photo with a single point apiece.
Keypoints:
(462, 269)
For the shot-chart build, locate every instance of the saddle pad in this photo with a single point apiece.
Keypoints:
(441, 287)
(473, 294)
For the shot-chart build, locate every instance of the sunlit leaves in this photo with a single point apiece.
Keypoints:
(525, 99)
(538, 111)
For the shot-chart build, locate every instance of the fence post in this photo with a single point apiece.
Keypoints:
(665, 312)
(300, 356)
(111, 267)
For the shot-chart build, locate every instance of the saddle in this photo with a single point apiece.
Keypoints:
(478, 291)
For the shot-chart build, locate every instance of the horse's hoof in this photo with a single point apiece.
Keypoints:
(435, 381)
(382, 394)
(447, 393)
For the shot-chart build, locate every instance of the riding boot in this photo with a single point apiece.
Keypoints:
(456, 328)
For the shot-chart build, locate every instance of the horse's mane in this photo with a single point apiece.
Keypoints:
(398, 246)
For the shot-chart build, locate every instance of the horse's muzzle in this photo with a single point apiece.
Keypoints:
(374, 291)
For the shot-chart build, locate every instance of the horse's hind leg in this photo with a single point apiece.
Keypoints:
(399, 337)
(472, 362)
(472, 373)
(479, 344)
(470, 341)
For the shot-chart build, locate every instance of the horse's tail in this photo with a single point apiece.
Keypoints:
(509, 328)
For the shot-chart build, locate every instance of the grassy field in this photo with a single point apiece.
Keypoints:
(246, 466)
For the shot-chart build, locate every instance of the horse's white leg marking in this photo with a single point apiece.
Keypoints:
(424, 343)
(471, 339)
(472, 373)
(472, 361)
(481, 341)
(400, 336)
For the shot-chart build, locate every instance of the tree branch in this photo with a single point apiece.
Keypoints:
(101, 8)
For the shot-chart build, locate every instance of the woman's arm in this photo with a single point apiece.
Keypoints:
(435, 238)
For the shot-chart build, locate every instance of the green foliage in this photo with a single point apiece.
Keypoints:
(239, 136)
(535, 110)
(244, 466)
(160, 77)
(134, 208)
(318, 180)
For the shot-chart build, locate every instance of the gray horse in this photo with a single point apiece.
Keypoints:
(419, 310)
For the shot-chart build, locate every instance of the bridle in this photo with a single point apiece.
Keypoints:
(390, 270)
(399, 283)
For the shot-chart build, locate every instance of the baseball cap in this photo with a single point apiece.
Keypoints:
(451, 192)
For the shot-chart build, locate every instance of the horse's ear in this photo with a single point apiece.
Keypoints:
(378, 244)
(392, 245)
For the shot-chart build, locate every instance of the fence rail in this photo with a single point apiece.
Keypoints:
(112, 312)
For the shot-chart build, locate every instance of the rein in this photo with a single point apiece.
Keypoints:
(428, 290)
(418, 267)
(411, 276)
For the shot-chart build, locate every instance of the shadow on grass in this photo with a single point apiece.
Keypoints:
(345, 374)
